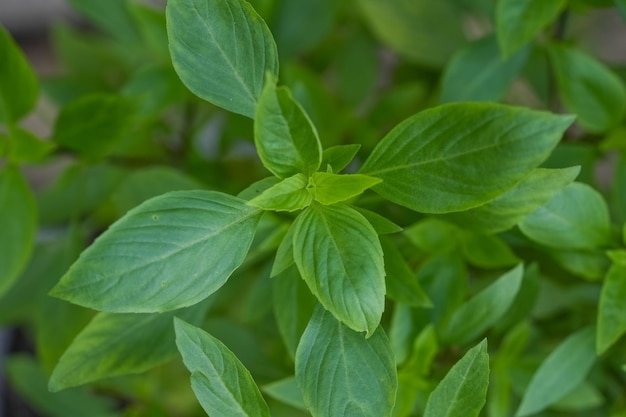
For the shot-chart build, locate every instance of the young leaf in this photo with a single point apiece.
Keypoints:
(94, 124)
(221, 50)
(509, 208)
(285, 137)
(339, 256)
(588, 88)
(611, 313)
(333, 188)
(463, 391)
(119, 344)
(484, 309)
(286, 390)
(339, 372)
(338, 157)
(293, 306)
(575, 218)
(562, 371)
(221, 383)
(478, 72)
(519, 21)
(284, 254)
(18, 223)
(19, 87)
(459, 156)
(170, 252)
(290, 194)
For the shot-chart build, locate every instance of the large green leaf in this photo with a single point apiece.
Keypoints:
(463, 391)
(18, 225)
(94, 124)
(588, 88)
(561, 372)
(478, 72)
(170, 252)
(340, 257)
(611, 312)
(519, 21)
(18, 83)
(484, 309)
(342, 373)
(30, 381)
(424, 31)
(575, 218)
(510, 207)
(461, 155)
(285, 137)
(221, 50)
(120, 344)
(221, 383)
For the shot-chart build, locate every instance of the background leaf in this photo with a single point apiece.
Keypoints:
(18, 223)
(588, 88)
(458, 156)
(478, 72)
(484, 309)
(339, 256)
(611, 313)
(19, 87)
(170, 252)
(120, 344)
(510, 207)
(463, 391)
(519, 21)
(575, 218)
(562, 371)
(340, 372)
(221, 383)
(218, 61)
(285, 137)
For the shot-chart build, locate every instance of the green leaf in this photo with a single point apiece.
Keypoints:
(220, 61)
(286, 390)
(26, 147)
(30, 381)
(94, 125)
(221, 383)
(382, 225)
(333, 188)
(119, 344)
(402, 284)
(18, 223)
(463, 391)
(290, 194)
(458, 156)
(338, 157)
(478, 72)
(293, 306)
(339, 256)
(588, 88)
(150, 22)
(284, 254)
(111, 16)
(575, 218)
(621, 6)
(483, 310)
(170, 252)
(433, 235)
(19, 87)
(510, 207)
(611, 312)
(562, 371)
(486, 251)
(339, 372)
(423, 31)
(285, 137)
(519, 21)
